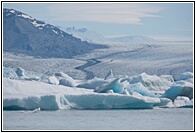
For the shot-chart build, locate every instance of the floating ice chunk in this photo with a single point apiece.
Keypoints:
(82, 101)
(126, 92)
(93, 83)
(165, 103)
(167, 77)
(61, 74)
(190, 80)
(121, 85)
(136, 94)
(53, 80)
(118, 87)
(9, 72)
(169, 105)
(66, 80)
(36, 110)
(20, 71)
(110, 91)
(139, 88)
(152, 82)
(182, 88)
(185, 76)
(113, 85)
(182, 101)
(31, 95)
(184, 83)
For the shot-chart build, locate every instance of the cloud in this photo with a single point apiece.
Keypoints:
(122, 13)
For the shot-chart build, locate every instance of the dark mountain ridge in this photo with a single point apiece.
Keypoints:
(24, 34)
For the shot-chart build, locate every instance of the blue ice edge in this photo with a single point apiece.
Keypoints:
(84, 101)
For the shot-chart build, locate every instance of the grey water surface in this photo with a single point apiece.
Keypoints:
(148, 119)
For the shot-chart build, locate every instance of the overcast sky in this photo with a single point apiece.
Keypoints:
(161, 21)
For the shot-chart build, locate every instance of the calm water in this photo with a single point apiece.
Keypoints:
(152, 119)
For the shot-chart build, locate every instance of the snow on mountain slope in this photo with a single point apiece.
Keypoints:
(85, 34)
(91, 36)
(131, 39)
(25, 34)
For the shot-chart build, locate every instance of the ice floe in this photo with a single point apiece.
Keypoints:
(61, 91)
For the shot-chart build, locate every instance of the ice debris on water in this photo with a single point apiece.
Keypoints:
(140, 91)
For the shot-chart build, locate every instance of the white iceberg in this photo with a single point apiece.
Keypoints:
(139, 88)
(31, 95)
(182, 101)
(92, 83)
(181, 88)
(152, 82)
(63, 92)
(121, 86)
(66, 80)
(168, 77)
(185, 76)
(113, 85)
(53, 80)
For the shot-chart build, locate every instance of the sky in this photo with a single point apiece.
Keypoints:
(162, 21)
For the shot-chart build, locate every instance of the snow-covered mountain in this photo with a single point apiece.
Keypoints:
(91, 36)
(131, 39)
(85, 35)
(25, 34)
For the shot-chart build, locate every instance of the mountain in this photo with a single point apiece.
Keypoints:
(91, 36)
(25, 34)
(131, 39)
(85, 35)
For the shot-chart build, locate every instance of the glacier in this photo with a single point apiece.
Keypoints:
(60, 91)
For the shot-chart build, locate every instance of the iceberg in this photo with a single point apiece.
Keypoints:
(181, 88)
(63, 92)
(31, 95)
(165, 103)
(139, 88)
(185, 76)
(93, 83)
(152, 82)
(53, 80)
(20, 72)
(168, 77)
(182, 101)
(121, 86)
(66, 80)
(113, 85)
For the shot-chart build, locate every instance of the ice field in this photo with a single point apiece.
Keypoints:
(121, 76)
